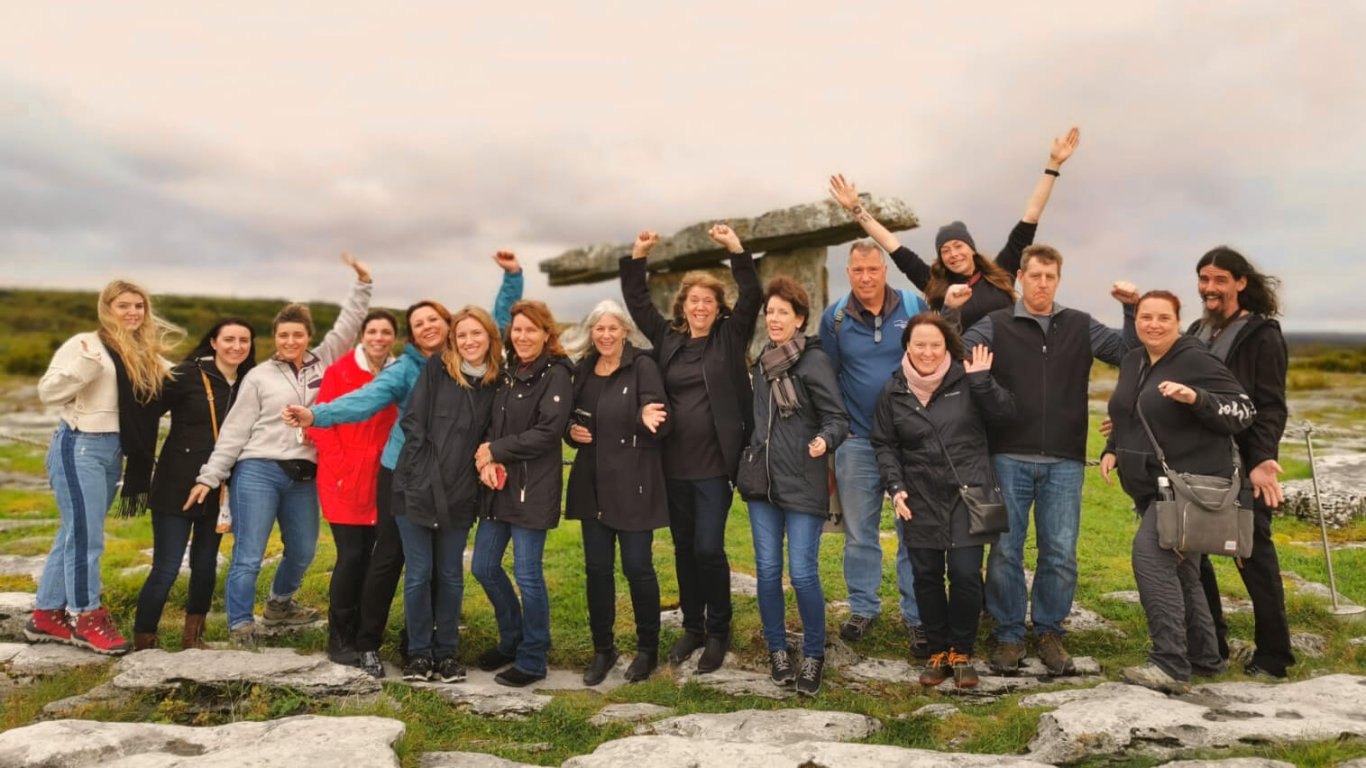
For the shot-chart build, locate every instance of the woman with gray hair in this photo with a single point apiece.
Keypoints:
(616, 486)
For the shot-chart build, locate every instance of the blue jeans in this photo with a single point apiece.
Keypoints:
(1054, 491)
(861, 493)
(523, 628)
(170, 536)
(261, 494)
(435, 560)
(83, 468)
(767, 522)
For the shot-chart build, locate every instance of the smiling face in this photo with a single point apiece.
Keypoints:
(129, 309)
(428, 329)
(1219, 291)
(926, 349)
(528, 338)
(957, 256)
(377, 338)
(231, 346)
(471, 340)
(609, 336)
(1039, 284)
(701, 309)
(291, 341)
(1158, 323)
(867, 276)
(782, 320)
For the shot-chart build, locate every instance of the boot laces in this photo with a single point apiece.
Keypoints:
(955, 658)
(781, 662)
(940, 659)
(809, 668)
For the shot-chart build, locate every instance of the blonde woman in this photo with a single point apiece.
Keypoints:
(105, 381)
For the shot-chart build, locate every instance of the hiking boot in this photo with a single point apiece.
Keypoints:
(809, 678)
(516, 678)
(780, 667)
(52, 626)
(1154, 677)
(95, 630)
(853, 629)
(964, 673)
(418, 668)
(1005, 658)
(145, 641)
(1253, 669)
(684, 647)
(371, 664)
(937, 671)
(1055, 656)
(450, 670)
(642, 666)
(243, 637)
(599, 667)
(1196, 669)
(920, 642)
(285, 611)
(713, 653)
(192, 635)
(493, 659)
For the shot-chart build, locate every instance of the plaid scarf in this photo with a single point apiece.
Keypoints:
(775, 363)
(138, 424)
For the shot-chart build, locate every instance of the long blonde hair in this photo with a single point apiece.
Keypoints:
(143, 348)
(492, 358)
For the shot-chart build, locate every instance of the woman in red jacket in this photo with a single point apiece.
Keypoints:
(348, 471)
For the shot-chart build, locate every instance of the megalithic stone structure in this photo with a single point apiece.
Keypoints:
(793, 242)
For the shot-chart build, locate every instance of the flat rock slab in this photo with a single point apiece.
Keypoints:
(158, 670)
(1032, 675)
(15, 610)
(680, 752)
(23, 565)
(488, 698)
(1116, 719)
(286, 743)
(778, 726)
(38, 659)
(937, 711)
(1231, 762)
(467, 760)
(731, 680)
(628, 713)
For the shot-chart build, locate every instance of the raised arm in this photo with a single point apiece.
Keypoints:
(845, 193)
(510, 292)
(1062, 148)
(751, 295)
(995, 402)
(635, 289)
(342, 336)
(1109, 345)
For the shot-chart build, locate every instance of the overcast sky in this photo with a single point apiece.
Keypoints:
(238, 151)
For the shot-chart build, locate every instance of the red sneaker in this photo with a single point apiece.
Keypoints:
(48, 627)
(94, 630)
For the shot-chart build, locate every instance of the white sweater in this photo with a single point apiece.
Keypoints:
(82, 381)
(253, 428)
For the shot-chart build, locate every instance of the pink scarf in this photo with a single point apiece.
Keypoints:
(924, 386)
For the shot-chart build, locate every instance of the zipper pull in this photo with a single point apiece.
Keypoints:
(524, 494)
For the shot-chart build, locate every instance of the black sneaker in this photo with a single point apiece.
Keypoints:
(493, 659)
(516, 678)
(450, 670)
(418, 668)
(920, 642)
(856, 627)
(689, 642)
(599, 667)
(642, 666)
(714, 654)
(371, 664)
(1255, 670)
(809, 678)
(780, 667)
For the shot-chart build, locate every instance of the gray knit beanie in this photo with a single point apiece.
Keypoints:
(954, 230)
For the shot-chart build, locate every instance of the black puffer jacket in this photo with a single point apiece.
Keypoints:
(1195, 438)
(910, 440)
(530, 413)
(619, 479)
(443, 426)
(723, 360)
(191, 440)
(797, 482)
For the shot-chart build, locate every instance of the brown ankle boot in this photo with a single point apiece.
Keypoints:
(143, 641)
(193, 636)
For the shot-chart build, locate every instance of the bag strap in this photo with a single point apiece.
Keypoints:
(943, 448)
(213, 412)
(1178, 481)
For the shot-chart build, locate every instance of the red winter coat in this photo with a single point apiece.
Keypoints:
(348, 454)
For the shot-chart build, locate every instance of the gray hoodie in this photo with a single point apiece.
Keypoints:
(253, 428)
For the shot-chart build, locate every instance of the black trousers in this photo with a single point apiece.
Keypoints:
(698, 510)
(383, 571)
(599, 556)
(354, 546)
(170, 535)
(1262, 576)
(949, 619)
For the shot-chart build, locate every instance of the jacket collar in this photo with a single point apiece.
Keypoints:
(586, 363)
(951, 378)
(890, 301)
(363, 362)
(1021, 312)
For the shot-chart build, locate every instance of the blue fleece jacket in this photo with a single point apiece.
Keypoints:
(394, 384)
(865, 353)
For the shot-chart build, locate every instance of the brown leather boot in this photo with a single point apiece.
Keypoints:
(143, 641)
(193, 635)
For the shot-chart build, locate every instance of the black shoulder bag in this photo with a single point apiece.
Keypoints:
(986, 507)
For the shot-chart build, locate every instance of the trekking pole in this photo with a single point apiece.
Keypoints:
(1338, 610)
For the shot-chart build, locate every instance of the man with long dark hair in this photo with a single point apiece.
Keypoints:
(1240, 327)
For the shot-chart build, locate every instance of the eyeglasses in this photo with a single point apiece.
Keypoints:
(877, 329)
